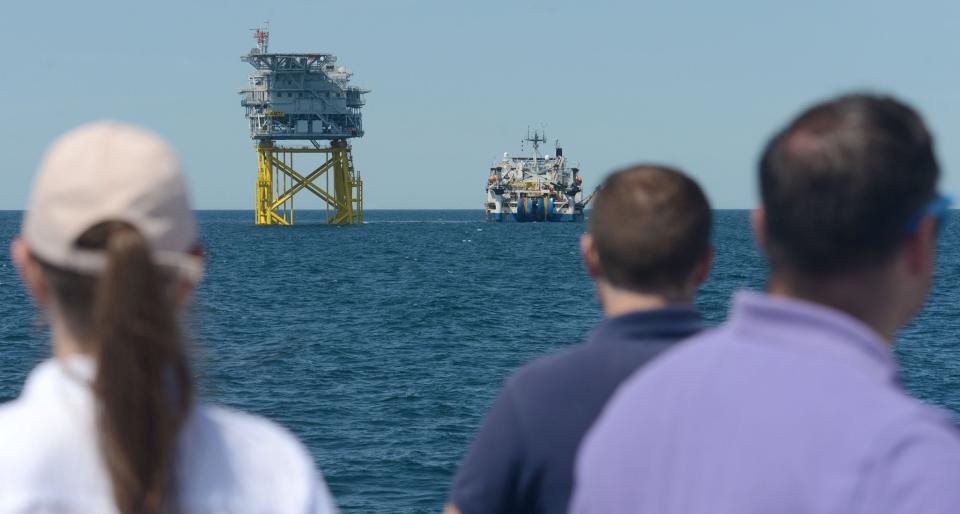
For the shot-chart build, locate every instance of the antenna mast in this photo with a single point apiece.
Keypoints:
(262, 35)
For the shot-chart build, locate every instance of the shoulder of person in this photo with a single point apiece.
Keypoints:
(32, 432)
(561, 366)
(253, 436)
(914, 465)
(251, 459)
(553, 365)
(35, 444)
(10, 411)
(919, 424)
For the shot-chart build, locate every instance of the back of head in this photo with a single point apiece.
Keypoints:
(651, 227)
(841, 183)
(109, 225)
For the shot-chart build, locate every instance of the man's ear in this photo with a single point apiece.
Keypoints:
(29, 271)
(758, 221)
(591, 261)
(920, 247)
(702, 269)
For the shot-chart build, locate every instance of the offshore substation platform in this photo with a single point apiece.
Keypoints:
(303, 97)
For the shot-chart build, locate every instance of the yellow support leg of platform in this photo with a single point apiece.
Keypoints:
(278, 181)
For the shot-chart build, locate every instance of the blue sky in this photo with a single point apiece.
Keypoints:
(699, 85)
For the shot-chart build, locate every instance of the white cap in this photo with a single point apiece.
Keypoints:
(109, 171)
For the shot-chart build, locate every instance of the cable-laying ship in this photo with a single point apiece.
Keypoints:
(535, 188)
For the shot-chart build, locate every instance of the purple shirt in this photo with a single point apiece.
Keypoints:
(789, 407)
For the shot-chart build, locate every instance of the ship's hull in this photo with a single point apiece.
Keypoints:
(529, 210)
(499, 217)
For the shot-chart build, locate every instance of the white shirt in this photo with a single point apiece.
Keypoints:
(229, 462)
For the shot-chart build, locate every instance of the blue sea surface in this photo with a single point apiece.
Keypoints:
(382, 345)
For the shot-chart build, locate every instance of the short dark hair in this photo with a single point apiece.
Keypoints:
(651, 226)
(841, 183)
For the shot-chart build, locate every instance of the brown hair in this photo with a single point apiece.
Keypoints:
(651, 226)
(126, 319)
(841, 183)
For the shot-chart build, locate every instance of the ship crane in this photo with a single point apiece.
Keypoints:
(591, 196)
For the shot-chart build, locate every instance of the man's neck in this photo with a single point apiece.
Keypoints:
(616, 302)
(856, 299)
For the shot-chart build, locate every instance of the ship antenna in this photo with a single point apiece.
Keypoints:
(262, 36)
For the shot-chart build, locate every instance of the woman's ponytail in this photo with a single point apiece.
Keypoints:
(143, 384)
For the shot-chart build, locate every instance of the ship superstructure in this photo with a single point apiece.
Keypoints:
(534, 188)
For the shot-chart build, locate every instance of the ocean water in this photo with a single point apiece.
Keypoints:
(382, 345)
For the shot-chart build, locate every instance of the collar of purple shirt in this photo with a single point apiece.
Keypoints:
(811, 327)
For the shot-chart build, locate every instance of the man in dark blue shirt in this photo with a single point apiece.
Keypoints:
(647, 251)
